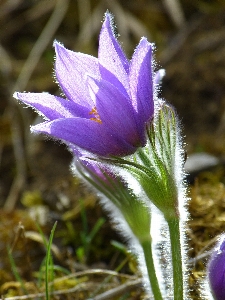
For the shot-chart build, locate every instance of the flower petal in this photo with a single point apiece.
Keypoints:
(86, 134)
(216, 270)
(141, 81)
(116, 111)
(71, 69)
(114, 66)
(52, 107)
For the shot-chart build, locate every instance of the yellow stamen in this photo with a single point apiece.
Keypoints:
(96, 115)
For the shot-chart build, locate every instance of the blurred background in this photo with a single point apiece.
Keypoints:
(36, 185)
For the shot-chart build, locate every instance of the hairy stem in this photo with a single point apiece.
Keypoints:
(147, 249)
(175, 240)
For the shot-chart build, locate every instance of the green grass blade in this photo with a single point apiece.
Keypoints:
(15, 271)
(49, 261)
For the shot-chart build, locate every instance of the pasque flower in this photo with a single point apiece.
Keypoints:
(108, 100)
(216, 270)
(106, 113)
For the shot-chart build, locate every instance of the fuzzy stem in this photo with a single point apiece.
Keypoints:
(175, 240)
(147, 249)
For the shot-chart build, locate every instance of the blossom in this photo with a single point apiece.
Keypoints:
(108, 100)
(216, 270)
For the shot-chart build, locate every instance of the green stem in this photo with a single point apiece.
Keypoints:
(147, 249)
(175, 240)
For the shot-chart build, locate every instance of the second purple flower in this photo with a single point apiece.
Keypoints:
(216, 270)
(108, 100)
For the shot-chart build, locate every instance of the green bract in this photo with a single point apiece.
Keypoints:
(156, 166)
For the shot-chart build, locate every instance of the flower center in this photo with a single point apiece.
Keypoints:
(96, 117)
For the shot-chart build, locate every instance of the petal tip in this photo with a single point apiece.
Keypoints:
(15, 95)
(108, 18)
(108, 23)
(144, 42)
(32, 129)
(56, 43)
(58, 46)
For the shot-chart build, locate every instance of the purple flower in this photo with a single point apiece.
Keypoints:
(108, 100)
(216, 270)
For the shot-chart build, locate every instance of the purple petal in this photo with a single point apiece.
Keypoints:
(86, 134)
(71, 69)
(141, 82)
(81, 160)
(52, 107)
(96, 171)
(116, 112)
(114, 65)
(216, 270)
